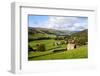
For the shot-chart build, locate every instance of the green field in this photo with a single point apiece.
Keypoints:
(51, 44)
(48, 43)
(80, 52)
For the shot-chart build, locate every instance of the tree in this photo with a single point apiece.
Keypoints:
(41, 47)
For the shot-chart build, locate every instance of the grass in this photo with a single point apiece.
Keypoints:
(80, 52)
(48, 43)
(38, 35)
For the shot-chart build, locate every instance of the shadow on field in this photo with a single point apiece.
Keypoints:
(52, 52)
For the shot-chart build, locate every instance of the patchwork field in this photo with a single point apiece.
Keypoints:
(51, 44)
(70, 54)
(80, 52)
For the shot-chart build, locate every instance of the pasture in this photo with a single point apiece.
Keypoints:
(49, 44)
(60, 39)
(80, 52)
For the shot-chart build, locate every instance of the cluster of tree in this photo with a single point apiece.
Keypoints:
(39, 47)
(80, 37)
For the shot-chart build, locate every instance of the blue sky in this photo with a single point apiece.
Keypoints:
(59, 22)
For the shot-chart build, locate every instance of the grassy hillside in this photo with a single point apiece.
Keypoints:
(48, 43)
(48, 31)
(42, 44)
(80, 52)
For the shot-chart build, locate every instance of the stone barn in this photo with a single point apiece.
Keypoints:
(71, 45)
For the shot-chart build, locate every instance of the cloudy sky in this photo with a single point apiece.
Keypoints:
(59, 22)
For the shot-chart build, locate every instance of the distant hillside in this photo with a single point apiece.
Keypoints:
(80, 33)
(80, 37)
(32, 30)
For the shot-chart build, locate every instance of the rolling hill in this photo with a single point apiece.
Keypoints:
(49, 31)
(48, 37)
(81, 37)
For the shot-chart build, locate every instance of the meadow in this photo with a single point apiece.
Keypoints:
(80, 52)
(51, 44)
(49, 55)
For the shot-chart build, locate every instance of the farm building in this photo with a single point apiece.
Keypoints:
(71, 45)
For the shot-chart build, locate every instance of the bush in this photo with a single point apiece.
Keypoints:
(41, 47)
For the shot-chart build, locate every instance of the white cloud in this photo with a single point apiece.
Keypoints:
(64, 23)
(80, 26)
